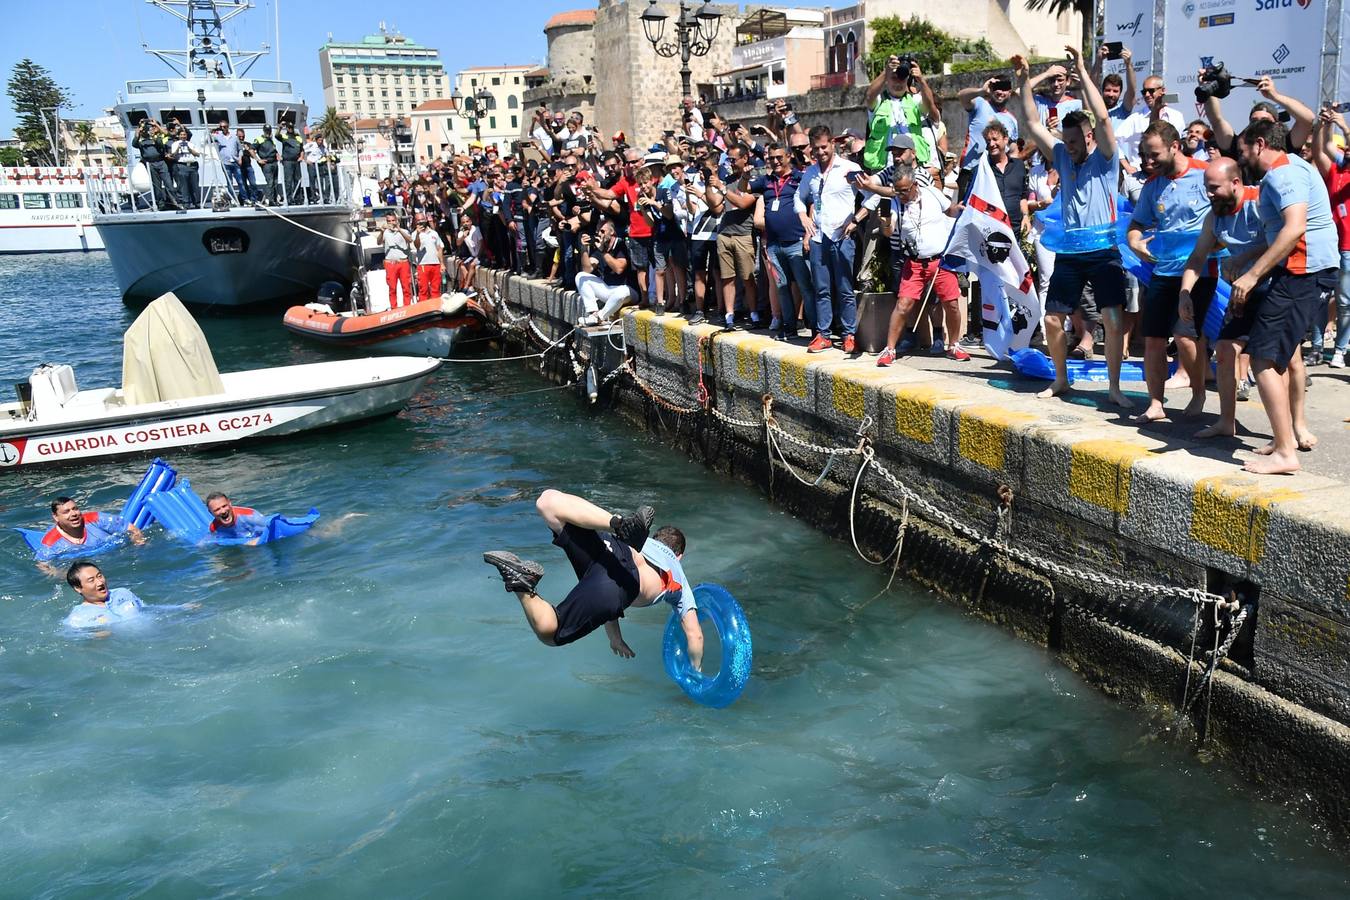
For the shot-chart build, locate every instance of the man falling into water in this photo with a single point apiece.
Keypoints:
(615, 570)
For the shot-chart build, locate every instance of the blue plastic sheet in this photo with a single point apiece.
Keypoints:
(160, 476)
(718, 608)
(185, 516)
(1164, 245)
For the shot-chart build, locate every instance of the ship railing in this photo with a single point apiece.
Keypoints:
(210, 184)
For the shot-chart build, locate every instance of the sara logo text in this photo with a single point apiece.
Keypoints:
(1264, 5)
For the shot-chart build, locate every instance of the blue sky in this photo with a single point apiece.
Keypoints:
(92, 47)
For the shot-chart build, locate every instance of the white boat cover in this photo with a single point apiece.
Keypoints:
(165, 356)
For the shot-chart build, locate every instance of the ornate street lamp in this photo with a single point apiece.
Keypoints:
(695, 32)
(473, 107)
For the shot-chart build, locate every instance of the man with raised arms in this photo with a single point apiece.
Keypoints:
(1089, 172)
(617, 566)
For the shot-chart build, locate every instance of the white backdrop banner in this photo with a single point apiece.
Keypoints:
(1131, 23)
(1279, 38)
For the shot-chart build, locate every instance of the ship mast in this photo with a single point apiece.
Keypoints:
(207, 54)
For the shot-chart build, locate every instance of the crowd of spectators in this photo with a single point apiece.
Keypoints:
(778, 225)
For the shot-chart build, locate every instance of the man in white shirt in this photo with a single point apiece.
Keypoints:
(1153, 107)
(314, 154)
(924, 217)
(430, 251)
(826, 202)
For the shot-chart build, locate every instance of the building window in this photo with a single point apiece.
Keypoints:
(496, 82)
(515, 123)
(492, 122)
(369, 80)
(69, 201)
(426, 124)
(398, 92)
(384, 92)
(516, 80)
(339, 79)
(424, 81)
(473, 82)
(430, 155)
(342, 92)
(383, 80)
(370, 93)
(385, 105)
(512, 103)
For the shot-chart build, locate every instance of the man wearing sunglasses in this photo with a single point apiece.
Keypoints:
(1154, 108)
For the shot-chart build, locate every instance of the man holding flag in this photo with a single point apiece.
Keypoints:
(1089, 172)
(923, 217)
(985, 238)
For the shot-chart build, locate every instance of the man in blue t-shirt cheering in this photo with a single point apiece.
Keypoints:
(1089, 172)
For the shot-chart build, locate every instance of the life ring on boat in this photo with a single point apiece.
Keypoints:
(718, 607)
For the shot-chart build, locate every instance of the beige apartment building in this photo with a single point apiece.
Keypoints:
(381, 76)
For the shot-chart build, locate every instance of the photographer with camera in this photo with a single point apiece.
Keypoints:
(984, 104)
(152, 143)
(543, 133)
(921, 223)
(892, 107)
(604, 275)
(1215, 83)
(397, 245)
(1118, 93)
(1052, 102)
(185, 157)
(1089, 172)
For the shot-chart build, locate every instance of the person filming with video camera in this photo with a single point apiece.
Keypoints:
(1215, 83)
(152, 142)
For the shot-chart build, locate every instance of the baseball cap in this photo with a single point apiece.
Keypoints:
(848, 134)
(900, 141)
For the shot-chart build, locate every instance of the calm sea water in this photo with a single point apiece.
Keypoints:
(362, 712)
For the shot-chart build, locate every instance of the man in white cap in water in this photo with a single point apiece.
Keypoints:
(615, 570)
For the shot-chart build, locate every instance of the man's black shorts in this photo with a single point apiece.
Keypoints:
(1237, 326)
(1101, 269)
(1161, 319)
(1287, 312)
(607, 582)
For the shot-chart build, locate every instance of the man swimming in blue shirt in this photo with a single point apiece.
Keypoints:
(621, 569)
(78, 530)
(103, 607)
(230, 521)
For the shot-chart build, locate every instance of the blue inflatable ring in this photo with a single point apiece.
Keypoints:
(718, 607)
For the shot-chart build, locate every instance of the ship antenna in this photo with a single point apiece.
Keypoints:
(207, 53)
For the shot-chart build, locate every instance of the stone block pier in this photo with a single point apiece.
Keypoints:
(1216, 601)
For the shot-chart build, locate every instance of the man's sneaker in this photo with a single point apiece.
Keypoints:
(1314, 357)
(755, 323)
(697, 318)
(521, 576)
(886, 358)
(972, 340)
(906, 345)
(850, 345)
(819, 344)
(957, 354)
(633, 527)
(938, 347)
(1244, 390)
(775, 323)
(1338, 359)
(730, 325)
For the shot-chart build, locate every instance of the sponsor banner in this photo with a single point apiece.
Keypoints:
(211, 428)
(1131, 23)
(1252, 38)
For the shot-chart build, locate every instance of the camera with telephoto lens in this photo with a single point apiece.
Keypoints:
(1214, 81)
(909, 249)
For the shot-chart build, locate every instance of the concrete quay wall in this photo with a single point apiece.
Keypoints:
(1103, 502)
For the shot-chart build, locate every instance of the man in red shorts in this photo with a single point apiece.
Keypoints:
(924, 217)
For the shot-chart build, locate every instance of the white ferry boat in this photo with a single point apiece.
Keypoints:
(45, 209)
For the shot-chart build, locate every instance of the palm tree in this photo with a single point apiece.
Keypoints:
(336, 130)
(84, 136)
(1082, 7)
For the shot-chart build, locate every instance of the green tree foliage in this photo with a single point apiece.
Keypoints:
(336, 130)
(31, 90)
(84, 136)
(923, 40)
(11, 156)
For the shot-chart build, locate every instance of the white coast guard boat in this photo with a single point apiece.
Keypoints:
(172, 396)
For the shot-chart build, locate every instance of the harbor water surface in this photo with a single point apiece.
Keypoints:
(361, 711)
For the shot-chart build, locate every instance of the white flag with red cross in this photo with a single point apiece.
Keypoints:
(983, 241)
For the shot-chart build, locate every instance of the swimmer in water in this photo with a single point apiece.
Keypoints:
(103, 607)
(230, 521)
(76, 530)
(622, 568)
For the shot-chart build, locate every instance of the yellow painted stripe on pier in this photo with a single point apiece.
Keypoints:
(1099, 472)
(982, 434)
(673, 331)
(849, 398)
(750, 355)
(915, 410)
(1231, 513)
(642, 324)
(792, 378)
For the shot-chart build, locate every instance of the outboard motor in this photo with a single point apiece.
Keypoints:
(332, 295)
